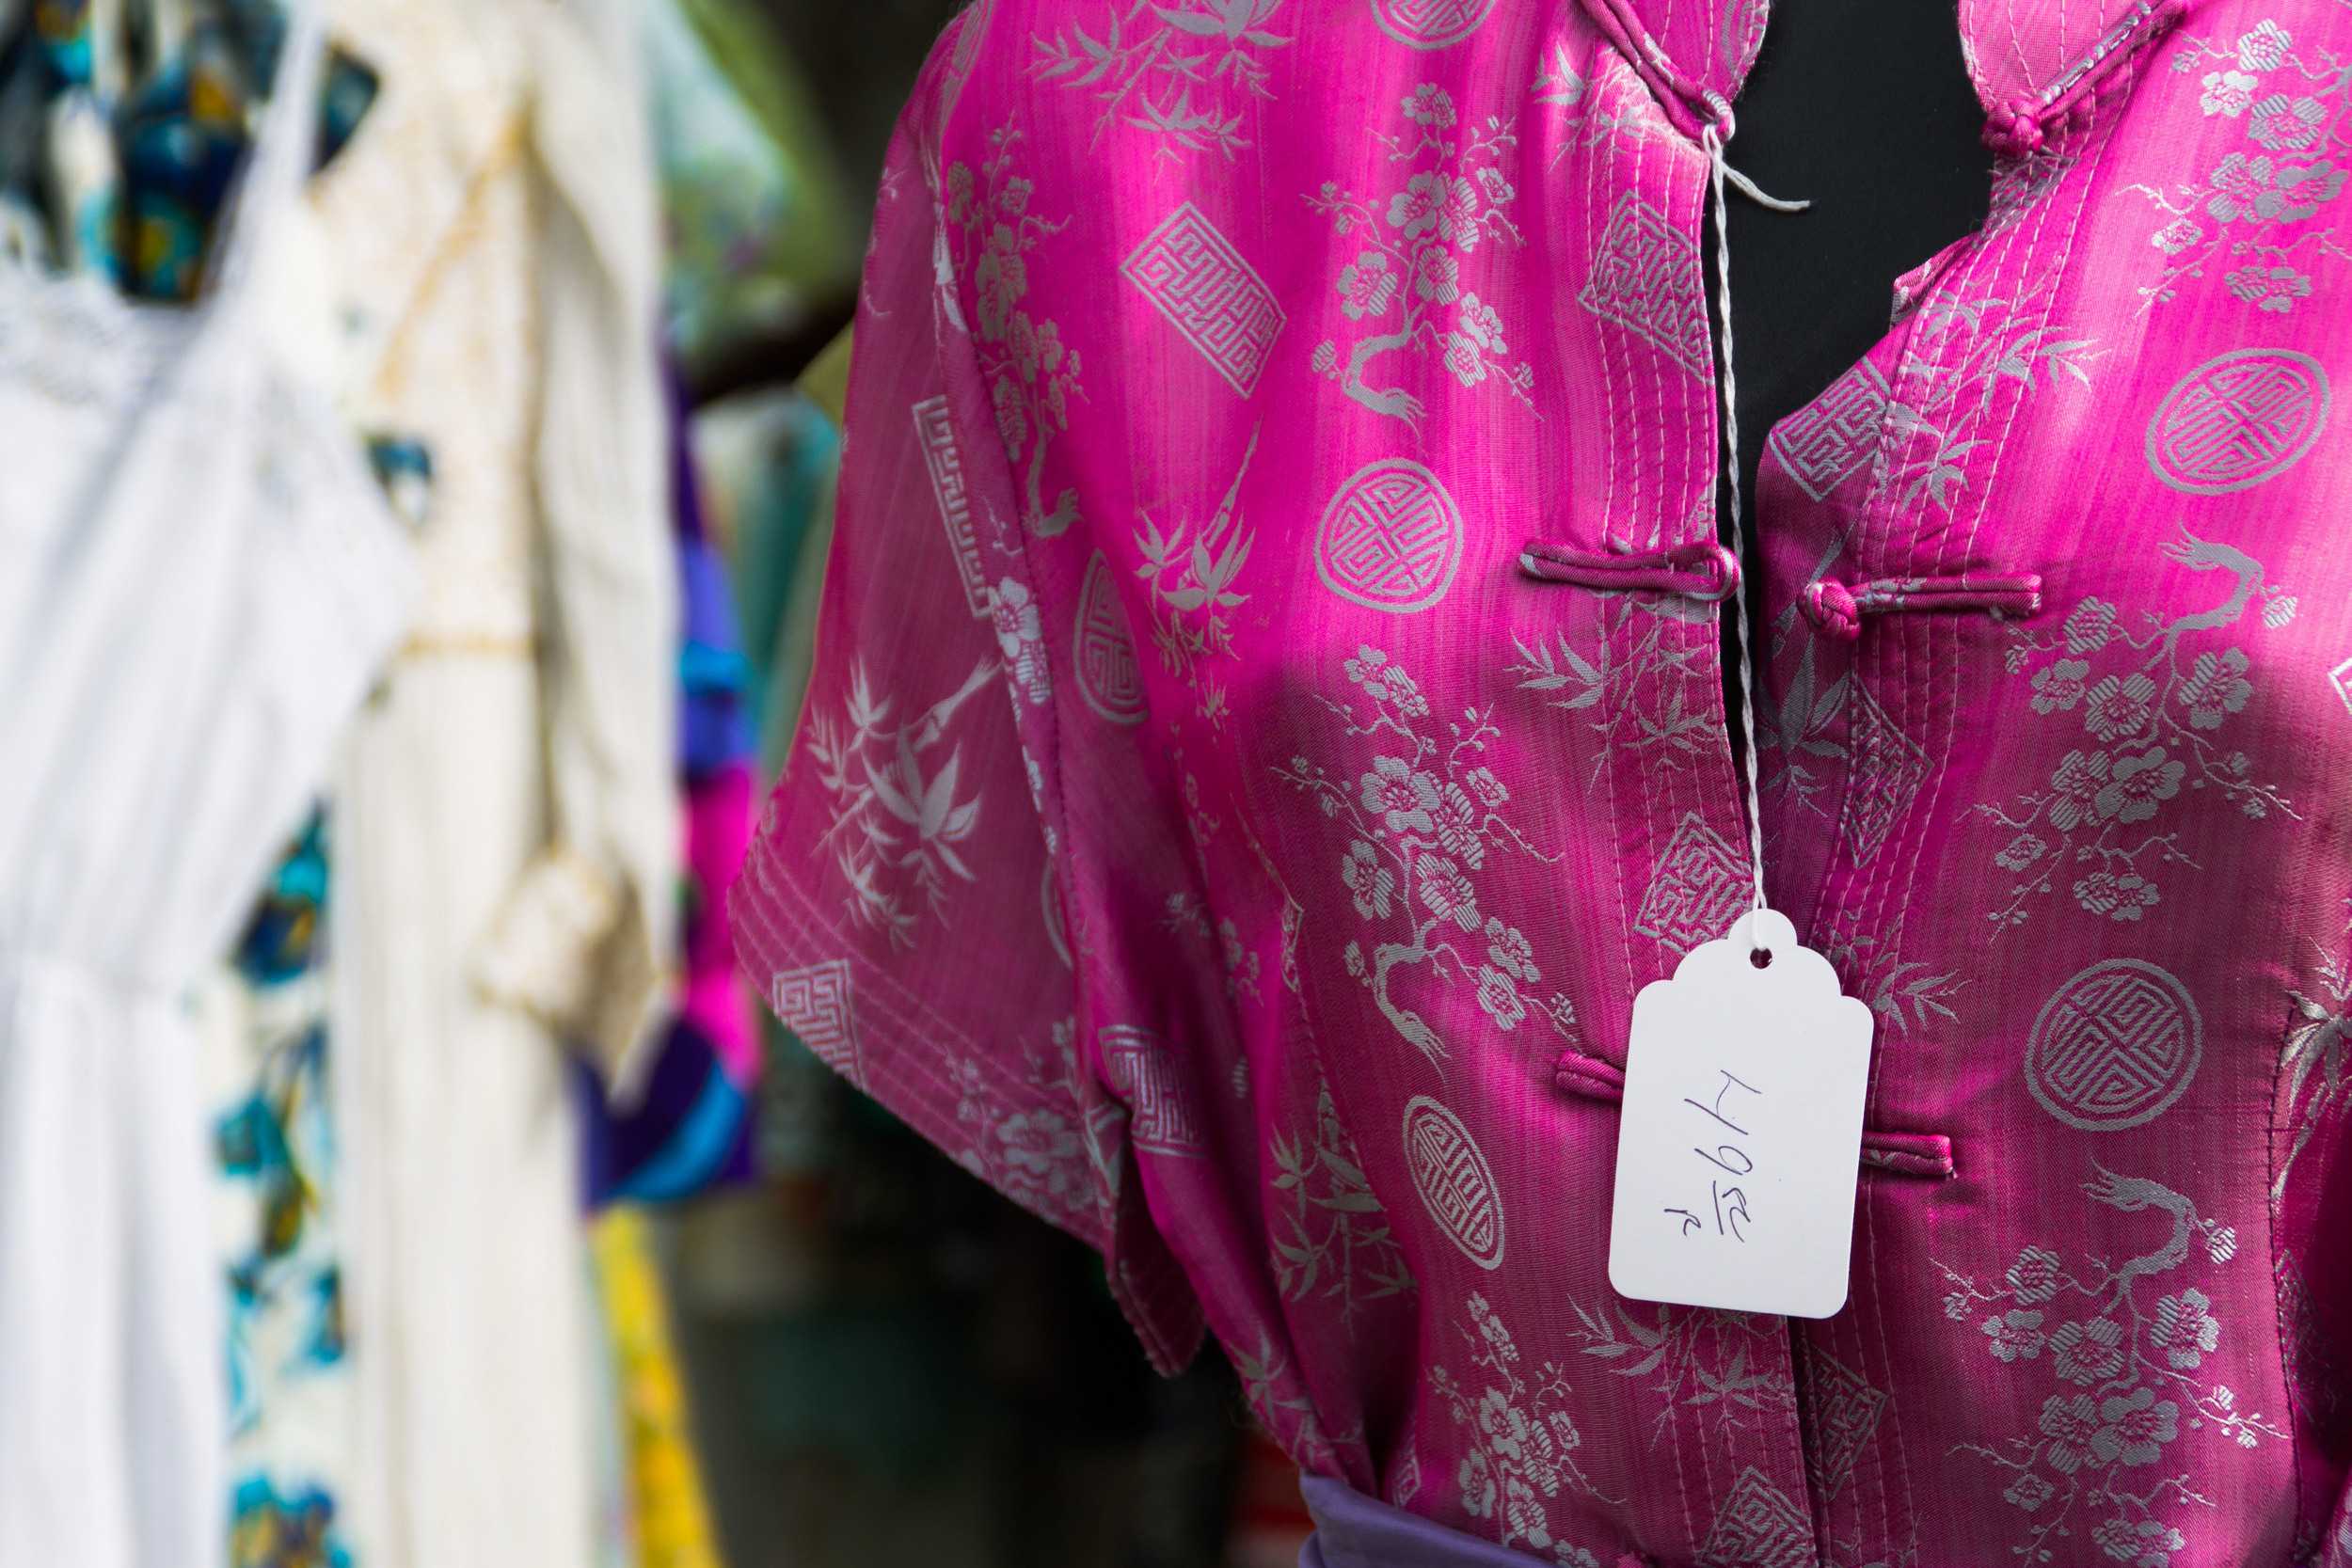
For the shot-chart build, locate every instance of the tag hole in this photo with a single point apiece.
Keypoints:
(1760, 957)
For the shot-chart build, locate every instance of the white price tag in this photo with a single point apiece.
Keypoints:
(1741, 1142)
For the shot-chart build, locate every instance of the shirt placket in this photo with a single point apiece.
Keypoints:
(1731, 1445)
(1874, 580)
(1817, 1474)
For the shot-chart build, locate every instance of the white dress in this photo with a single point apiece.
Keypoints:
(198, 578)
(505, 822)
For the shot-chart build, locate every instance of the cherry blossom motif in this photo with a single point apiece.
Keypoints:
(1367, 287)
(2121, 1402)
(2138, 785)
(1429, 105)
(2273, 289)
(2059, 687)
(2088, 1352)
(1463, 359)
(2260, 189)
(2021, 852)
(1031, 375)
(1038, 1142)
(2135, 1427)
(1451, 203)
(1368, 880)
(2287, 125)
(2228, 92)
(1437, 278)
(2259, 205)
(2029, 1490)
(1447, 893)
(2036, 1275)
(1413, 210)
(2075, 787)
(1427, 822)
(2153, 706)
(1481, 325)
(1522, 1440)
(2068, 1424)
(1402, 794)
(2016, 1335)
(1498, 994)
(2217, 687)
(1508, 950)
(2088, 625)
(2143, 1543)
(2125, 897)
(1021, 638)
(2186, 1328)
(2114, 708)
(2263, 47)
(1037, 1155)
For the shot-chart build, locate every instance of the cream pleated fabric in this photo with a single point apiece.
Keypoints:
(504, 821)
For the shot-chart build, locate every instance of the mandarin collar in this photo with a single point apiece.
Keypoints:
(2032, 63)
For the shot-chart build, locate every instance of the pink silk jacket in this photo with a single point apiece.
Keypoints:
(1268, 723)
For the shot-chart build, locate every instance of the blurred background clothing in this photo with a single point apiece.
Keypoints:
(538, 1241)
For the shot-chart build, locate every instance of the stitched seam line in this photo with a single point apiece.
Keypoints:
(2271, 1206)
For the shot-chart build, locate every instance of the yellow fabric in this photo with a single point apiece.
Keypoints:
(826, 382)
(666, 1502)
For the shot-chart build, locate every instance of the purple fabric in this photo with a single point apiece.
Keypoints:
(1267, 725)
(1356, 1531)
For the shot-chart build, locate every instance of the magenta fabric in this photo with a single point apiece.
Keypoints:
(1268, 723)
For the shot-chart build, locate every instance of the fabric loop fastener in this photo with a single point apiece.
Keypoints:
(1837, 608)
(1702, 570)
(2020, 126)
(1924, 1155)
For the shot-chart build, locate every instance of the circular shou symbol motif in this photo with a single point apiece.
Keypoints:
(1455, 1183)
(1390, 539)
(2115, 1047)
(1430, 23)
(2238, 419)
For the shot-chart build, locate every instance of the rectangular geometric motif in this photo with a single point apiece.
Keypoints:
(1760, 1527)
(1700, 887)
(1194, 276)
(1647, 278)
(1845, 1410)
(1889, 767)
(1831, 438)
(815, 1003)
(1140, 1066)
(935, 432)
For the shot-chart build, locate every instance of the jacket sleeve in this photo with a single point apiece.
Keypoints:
(902, 904)
(585, 940)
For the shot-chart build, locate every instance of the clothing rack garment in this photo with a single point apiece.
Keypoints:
(200, 577)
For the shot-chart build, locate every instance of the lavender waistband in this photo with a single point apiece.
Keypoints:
(1356, 1531)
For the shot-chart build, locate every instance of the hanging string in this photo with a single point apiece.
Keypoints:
(1720, 174)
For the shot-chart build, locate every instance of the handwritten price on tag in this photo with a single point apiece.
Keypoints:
(1729, 1204)
(1739, 1138)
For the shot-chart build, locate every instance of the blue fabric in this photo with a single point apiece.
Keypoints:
(1356, 1531)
